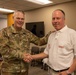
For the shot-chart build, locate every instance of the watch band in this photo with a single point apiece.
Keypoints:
(68, 73)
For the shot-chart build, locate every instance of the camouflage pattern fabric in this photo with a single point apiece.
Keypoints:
(14, 73)
(12, 46)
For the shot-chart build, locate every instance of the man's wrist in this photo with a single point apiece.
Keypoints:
(68, 73)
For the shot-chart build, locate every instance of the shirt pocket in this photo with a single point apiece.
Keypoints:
(65, 47)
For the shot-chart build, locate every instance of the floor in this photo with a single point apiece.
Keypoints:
(37, 71)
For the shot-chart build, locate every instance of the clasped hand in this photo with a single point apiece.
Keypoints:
(27, 57)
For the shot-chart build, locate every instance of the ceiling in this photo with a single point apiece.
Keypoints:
(25, 5)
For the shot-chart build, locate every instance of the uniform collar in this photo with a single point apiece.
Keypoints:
(15, 31)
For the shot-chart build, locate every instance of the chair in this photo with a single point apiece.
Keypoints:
(43, 61)
(42, 49)
(40, 60)
(34, 50)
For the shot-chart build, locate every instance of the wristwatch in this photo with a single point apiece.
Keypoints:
(68, 73)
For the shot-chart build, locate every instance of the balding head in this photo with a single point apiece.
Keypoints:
(58, 19)
(61, 12)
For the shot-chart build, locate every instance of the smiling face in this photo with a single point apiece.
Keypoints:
(58, 19)
(18, 20)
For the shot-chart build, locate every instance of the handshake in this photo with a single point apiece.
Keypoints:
(27, 57)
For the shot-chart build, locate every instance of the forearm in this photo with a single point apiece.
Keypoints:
(39, 56)
(42, 41)
(38, 41)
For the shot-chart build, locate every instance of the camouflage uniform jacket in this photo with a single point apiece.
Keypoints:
(12, 46)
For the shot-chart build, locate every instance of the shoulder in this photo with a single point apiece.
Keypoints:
(50, 32)
(5, 30)
(52, 35)
(71, 31)
(10, 30)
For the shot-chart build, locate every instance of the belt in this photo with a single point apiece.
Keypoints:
(59, 70)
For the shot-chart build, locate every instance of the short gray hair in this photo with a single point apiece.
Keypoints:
(18, 11)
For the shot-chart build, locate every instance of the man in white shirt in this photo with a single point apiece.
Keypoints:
(61, 47)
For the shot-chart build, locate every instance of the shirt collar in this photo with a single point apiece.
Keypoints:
(63, 29)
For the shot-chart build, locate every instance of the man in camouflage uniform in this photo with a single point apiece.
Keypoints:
(14, 45)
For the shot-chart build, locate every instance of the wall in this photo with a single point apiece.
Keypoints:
(6, 20)
(3, 21)
(45, 14)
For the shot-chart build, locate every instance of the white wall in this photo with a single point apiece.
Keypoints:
(3, 21)
(45, 14)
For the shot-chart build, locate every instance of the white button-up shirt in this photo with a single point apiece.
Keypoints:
(61, 48)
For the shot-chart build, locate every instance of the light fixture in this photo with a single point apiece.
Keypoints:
(42, 2)
(6, 10)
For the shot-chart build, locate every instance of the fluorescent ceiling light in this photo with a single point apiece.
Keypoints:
(42, 2)
(6, 10)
